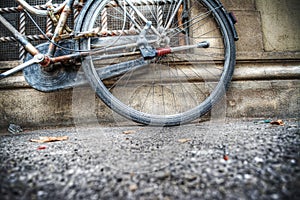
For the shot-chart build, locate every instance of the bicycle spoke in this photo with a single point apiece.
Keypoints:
(183, 87)
(145, 20)
(174, 12)
(191, 24)
(198, 75)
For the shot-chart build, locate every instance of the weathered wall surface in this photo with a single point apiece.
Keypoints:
(265, 83)
(269, 40)
(280, 24)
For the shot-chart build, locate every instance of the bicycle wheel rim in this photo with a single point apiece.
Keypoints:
(110, 99)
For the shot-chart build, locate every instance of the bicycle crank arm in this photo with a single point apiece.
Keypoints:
(36, 59)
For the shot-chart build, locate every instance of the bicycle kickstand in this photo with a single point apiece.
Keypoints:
(36, 59)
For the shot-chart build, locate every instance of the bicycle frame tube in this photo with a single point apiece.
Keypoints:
(60, 25)
(19, 37)
(35, 11)
(65, 8)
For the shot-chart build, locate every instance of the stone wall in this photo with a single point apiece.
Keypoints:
(268, 29)
(269, 46)
(265, 83)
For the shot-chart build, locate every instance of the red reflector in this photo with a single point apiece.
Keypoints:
(233, 17)
(163, 51)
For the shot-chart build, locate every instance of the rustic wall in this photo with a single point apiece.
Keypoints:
(280, 24)
(265, 84)
(268, 29)
(248, 27)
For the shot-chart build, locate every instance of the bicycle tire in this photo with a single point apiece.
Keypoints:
(204, 75)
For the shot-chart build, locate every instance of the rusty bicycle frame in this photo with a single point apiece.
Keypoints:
(64, 10)
(44, 60)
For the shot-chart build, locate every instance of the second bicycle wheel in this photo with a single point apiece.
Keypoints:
(168, 89)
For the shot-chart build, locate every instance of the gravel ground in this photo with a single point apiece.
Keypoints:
(238, 159)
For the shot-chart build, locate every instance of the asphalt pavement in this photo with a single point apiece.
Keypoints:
(235, 159)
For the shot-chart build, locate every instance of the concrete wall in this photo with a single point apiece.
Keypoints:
(265, 84)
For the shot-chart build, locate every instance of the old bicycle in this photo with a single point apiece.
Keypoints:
(157, 62)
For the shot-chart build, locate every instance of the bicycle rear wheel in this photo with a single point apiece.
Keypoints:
(166, 90)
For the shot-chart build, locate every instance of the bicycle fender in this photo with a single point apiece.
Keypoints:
(230, 18)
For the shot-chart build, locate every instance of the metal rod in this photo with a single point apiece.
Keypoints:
(160, 52)
(19, 37)
(60, 25)
(35, 11)
(36, 59)
(28, 37)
